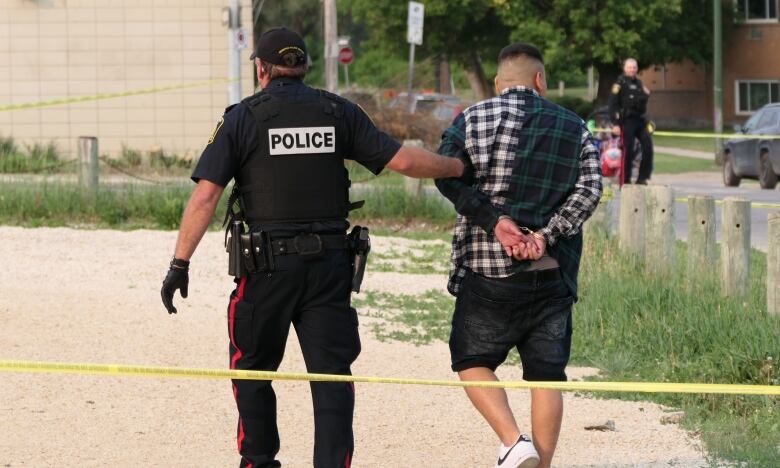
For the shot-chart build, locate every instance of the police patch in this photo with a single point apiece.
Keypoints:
(302, 140)
(615, 88)
(216, 129)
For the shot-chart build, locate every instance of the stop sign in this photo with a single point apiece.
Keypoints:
(345, 55)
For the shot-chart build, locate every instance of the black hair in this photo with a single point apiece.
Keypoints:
(520, 49)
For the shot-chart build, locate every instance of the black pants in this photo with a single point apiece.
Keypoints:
(530, 311)
(633, 128)
(314, 296)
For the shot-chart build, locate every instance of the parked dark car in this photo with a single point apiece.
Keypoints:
(754, 158)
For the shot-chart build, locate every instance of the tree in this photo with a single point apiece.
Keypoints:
(461, 31)
(301, 16)
(602, 33)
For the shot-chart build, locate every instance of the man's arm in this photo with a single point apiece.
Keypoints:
(197, 217)
(466, 198)
(470, 201)
(419, 163)
(583, 201)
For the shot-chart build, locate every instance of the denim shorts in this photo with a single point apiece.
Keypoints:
(529, 310)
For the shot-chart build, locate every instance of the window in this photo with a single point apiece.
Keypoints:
(769, 118)
(752, 94)
(757, 11)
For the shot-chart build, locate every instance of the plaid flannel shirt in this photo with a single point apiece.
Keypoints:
(533, 161)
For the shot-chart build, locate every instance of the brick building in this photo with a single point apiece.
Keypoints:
(52, 49)
(682, 92)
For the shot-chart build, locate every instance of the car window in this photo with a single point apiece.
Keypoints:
(752, 122)
(768, 118)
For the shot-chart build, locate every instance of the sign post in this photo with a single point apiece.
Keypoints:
(346, 56)
(414, 36)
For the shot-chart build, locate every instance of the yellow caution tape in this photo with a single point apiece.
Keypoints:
(153, 371)
(101, 96)
(727, 136)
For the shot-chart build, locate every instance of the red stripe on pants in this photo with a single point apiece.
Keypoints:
(231, 327)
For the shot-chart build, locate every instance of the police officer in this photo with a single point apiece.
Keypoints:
(285, 147)
(627, 109)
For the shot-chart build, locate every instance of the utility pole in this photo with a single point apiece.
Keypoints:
(234, 52)
(717, 74)
(331, 51)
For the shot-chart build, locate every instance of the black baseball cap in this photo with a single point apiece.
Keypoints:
(280, 46)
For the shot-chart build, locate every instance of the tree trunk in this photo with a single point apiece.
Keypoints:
(477, 79)
(444, 77)
(608, 74)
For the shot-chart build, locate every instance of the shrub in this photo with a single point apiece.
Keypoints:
(579, 106)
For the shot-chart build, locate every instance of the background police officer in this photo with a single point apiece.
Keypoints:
(285, 148)
(627, 109)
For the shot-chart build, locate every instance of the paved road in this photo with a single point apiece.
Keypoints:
(709, 183)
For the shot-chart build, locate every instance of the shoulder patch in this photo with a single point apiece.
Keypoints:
(216, 129)
(615, 88)
(367, 114)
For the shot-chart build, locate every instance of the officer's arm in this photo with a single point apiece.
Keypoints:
(197, 217)
(416, 162)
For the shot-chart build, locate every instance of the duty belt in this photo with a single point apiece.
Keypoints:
(309, 244)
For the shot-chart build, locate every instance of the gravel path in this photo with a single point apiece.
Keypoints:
(92, 296)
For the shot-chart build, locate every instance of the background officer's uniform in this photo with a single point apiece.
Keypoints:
(284, 147)
(627, 108)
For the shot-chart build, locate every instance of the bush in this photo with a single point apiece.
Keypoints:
(130, 157)
(38, 157)
(579, 106)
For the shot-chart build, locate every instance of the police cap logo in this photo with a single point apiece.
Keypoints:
(302, 140)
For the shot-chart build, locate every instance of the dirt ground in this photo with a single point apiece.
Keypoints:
(93, 296)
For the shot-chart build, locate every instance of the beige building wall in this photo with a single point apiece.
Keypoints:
(52, 49)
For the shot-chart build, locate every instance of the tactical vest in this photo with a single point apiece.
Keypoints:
(633, 100)
(297, 173)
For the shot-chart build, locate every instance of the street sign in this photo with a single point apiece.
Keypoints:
(346, 55)
(241, 38)
(414, 32)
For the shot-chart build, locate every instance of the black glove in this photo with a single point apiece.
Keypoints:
(177, 278)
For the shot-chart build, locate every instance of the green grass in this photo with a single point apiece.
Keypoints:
(35, 158)
(698, 144)
(404, 317)
(637, 327)
(131, 206)
(669, 164)
(122, 206)
(424, 258)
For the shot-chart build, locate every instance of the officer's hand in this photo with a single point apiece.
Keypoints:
(616, 130)
(177, 278)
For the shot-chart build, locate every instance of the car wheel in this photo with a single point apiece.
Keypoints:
(730, 179)
(766, 175)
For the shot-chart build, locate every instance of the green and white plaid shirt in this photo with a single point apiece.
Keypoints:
(533, 161)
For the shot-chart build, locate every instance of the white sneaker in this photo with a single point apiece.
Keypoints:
(521, 455)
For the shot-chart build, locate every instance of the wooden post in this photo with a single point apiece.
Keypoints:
(631, 231)
(701, 236)
(661, 239)
(88, 160)
(735, 248)
(773, 265)
(413, 186)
